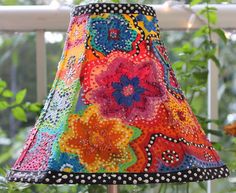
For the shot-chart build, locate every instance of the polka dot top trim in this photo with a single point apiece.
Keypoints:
(121, 8)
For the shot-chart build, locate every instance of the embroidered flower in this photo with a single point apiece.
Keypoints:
(77, 31)
(112, 33)
(66, 163)
(60, 104)
(100, 143)
(184, 121)
(38, 152)
(169, 76)
(149, 24)
(73, 55)
(70, 70)
(126, 88)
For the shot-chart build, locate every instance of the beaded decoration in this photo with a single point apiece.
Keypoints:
(116, 113)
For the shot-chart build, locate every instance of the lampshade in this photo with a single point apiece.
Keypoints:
(116, 113)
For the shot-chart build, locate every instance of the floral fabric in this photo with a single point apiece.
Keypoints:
(116, 107)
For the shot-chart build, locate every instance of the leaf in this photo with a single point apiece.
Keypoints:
(212, 8)
(15, 57)
(234, 140)
(221, 34)
(217, 62)
(197, 88)
(210, 13)
(212, 17)
(20, 96)
(177, 49)
(217, 146)
(35, 107)
(178, 65)
(187, 48)
(202, 31)
(19, 114)
(195, 2)
(200, 74)
(3, 85)
(220, 1)
(7, 93)
(5, 156)
(202, 185)
(3, 105)
(10, 2)
(214, 132)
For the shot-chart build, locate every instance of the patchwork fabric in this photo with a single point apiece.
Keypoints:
(116, 113)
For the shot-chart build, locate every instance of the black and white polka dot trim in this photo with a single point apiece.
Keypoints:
(53, 177)
(121, 8)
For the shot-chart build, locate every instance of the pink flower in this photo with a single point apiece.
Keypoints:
(77, 31)
(126, 88)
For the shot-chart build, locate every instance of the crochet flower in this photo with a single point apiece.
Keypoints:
(126, 88)
(112, 33)
(100, 143)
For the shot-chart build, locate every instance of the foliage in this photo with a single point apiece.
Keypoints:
(194, 56)
(9, 100)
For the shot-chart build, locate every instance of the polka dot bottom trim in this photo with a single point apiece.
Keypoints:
(54, 177)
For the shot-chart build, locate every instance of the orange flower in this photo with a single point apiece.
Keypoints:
(230, 129)
(100, 143)
(184, 121)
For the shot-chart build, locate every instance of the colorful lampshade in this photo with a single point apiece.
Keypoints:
(116, 113)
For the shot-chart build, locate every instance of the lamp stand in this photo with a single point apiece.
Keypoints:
(112, 189)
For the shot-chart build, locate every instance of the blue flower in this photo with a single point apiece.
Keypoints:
(66, 162)
(169, 76)
(127, 90)
(149, 25)
(112, 33)
(189, 162)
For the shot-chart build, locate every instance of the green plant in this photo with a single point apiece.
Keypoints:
(194, 56)
(15, 102)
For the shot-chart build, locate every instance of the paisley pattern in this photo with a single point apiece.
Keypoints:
(116, 113)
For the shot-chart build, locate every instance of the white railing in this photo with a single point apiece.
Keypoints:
(171, 16)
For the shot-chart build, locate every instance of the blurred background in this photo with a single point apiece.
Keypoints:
(189, 51)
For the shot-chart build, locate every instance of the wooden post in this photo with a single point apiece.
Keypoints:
(112, 189)
(212, 105)
(41, 66)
